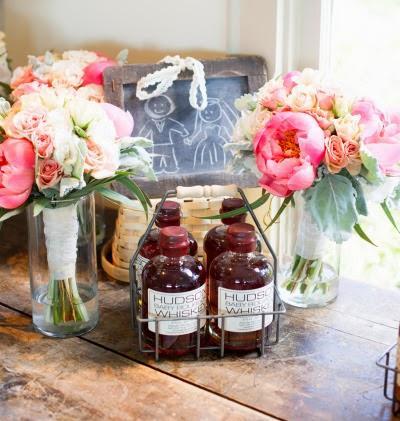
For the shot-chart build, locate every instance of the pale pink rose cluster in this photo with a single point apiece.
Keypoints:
(46, 143)
(81, 70)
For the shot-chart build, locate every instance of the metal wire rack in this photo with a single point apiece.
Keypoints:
(269, 335)
(387, 362)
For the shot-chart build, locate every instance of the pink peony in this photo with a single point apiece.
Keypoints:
(289, 79)
(123, 120)
(49, 174)
(371, 118)
(93, 73)
(288, 150)
(17, 172)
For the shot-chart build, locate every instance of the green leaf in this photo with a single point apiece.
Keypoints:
(77, 171)
(332, 202)
(389, 215)
(39, 205)
(363, 235)
(256, 204)
(361, 203)
(5, 214)
(114, 196)
(373, 174)
(80, 132)
(137, 192)
(283, 206)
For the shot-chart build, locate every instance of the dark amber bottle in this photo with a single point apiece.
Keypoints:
(241, 283)
(173, 286)
(170, 215)
(215, 241)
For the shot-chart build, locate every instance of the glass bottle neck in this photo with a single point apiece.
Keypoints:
(168, 223)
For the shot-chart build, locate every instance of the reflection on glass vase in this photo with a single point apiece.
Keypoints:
(63, 270)
(309, 262)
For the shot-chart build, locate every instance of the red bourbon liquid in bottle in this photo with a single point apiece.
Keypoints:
(173, 286)
(170, 215)
(240, 283)
(215, 241)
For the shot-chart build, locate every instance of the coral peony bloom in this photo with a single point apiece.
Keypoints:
(17, 172)
(288, 150)
(50, 173)
(93, 73)
(123, 120)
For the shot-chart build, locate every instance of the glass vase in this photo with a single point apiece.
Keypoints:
(309, 263)
(63, 268)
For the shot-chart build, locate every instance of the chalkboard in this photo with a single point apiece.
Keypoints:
(188, 144)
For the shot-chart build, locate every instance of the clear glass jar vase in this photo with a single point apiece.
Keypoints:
(309, 263)
(63, 268)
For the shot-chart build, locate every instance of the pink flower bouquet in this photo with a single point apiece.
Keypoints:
(58, 146)
(300, 134)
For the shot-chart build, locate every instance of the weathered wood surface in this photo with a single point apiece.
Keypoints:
(41, 378)
(323, 368)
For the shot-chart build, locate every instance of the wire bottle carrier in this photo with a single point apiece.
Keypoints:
(269, 335)
(387, 361)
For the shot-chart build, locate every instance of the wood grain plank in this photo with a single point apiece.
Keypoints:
(323, 368)
(44, 379)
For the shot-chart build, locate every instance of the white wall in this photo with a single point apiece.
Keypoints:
(150, 29)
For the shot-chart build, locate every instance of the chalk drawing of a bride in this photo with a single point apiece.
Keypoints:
(212, 129)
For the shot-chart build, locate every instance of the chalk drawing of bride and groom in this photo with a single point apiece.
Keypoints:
(211, 130)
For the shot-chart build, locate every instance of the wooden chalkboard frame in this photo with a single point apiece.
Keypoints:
(253, 68)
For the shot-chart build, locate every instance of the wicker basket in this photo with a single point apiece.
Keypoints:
(131, 224)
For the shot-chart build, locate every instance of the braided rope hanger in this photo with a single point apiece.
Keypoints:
(165, 77)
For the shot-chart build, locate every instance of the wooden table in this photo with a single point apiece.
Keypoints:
(323, 368)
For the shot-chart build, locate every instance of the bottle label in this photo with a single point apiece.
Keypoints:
(246, 302)
(184, 304)
(140, 264)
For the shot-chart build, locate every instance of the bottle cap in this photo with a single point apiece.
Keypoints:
(241, 238)
(230, 204)
(170, 214)
(174, 241)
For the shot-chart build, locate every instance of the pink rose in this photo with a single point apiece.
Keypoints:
(123, 120)
(27, 88)
(21, 75)
(289, 79)
(341, 154)
(101, 161)
(371, 118)
(93, 73)
(50, 173)
(17, 172)
(288, 150)
(274, 99)
(325, 100)
(25, 122)
(43, 138)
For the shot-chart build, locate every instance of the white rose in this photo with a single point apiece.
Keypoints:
(83, 112)
(309, 77)
(66, 149)
(67, 73)
(347, 127)
(102, 132)
(302, 98)
(271, 86)
(341, 105)
(83, 56)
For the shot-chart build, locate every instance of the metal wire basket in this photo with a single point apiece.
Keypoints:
(269, 335)
(387, 361)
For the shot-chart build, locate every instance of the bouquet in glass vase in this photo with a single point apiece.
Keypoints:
(321, 152)
(57, 149)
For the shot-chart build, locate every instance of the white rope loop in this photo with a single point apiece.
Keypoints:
(164, 78)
